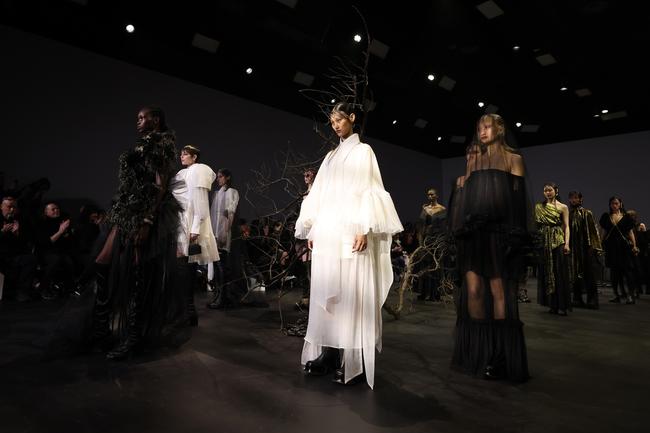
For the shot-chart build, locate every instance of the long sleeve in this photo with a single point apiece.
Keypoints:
(201, 208)
(310, 204)
(376, 212)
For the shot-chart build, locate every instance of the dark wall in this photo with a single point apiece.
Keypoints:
(598, 167)
(67, 114)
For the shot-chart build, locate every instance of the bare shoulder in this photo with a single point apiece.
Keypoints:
(517, 164)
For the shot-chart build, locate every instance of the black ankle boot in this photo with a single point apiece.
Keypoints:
(132, 340)
(324, 364)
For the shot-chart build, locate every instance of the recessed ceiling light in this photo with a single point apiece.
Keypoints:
(394, 122)
(357, 38)
(333, 101)
(516, 48)
(481, 104)
(249, 71)
(563, 89)
(596, 115)
(604, 111)
(130, 28)
(518, 124)
(431, 77)
(439, 138)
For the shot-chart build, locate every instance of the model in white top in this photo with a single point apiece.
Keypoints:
(348, 219)
(192, 188)
(222, 211)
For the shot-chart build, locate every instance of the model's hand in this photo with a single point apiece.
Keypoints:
(194, 237)
(7, 227)
(566, 249)
(15, 227)
(360, 243)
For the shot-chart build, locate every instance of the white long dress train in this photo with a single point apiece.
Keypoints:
(348, 289)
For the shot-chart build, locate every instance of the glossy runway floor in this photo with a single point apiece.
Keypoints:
(240, 373)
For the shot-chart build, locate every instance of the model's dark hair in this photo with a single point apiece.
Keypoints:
(343, 108)
(575, 194)
(158, 112)
(227, 174)
(193, 151)
(615, 197)
(555, 187)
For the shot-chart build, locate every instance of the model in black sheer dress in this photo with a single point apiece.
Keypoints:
(489, 216)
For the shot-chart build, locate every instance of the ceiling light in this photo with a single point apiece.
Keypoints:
(604, 111)
(563, 89)
(431, 77)
(249, 71)
(481, 104)
(439, 138)
(394, 122)
(518, 124)
(516, 48)
(357, 38)
(596, 115)
(333, 101)
(130, 28)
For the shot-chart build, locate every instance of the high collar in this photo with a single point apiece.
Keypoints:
(350, 141)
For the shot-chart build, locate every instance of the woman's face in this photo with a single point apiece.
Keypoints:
(487, 131)
(549, 192)
(432, 195)
(187, 159)
(615, 205)
(342, 125)
(221, 179)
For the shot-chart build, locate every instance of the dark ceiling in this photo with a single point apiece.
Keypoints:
(597, 45)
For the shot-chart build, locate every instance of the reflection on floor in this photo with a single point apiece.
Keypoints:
(240, 373)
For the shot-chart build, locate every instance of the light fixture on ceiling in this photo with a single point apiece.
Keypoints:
(481, 104)
(439, 138)
(518, 124)
(394, 122)
(357, 38)
(516, 48)
(249, 71)
(130, 28)
(431, 77)
(563, 89)
(605, 111)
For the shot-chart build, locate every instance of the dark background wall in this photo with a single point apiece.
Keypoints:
(67, 114)
(598, 167)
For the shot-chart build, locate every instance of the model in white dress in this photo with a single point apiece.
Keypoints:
(191, 187)
(349, 220)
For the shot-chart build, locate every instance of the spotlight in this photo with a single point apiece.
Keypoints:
(518, 124)
(596, 115)
(249, 71)
(431, 77)
(333, 101)
(357, 38)
(563, 89)
(516, 48)
(130, 28)
(604, 111)
(394, 122)
(439, 138)
(481, 104)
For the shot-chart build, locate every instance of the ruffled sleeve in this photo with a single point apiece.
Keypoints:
(376, 212)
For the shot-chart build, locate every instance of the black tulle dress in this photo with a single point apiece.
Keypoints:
(490, 219)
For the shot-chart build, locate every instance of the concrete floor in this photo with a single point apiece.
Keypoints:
(239, 373)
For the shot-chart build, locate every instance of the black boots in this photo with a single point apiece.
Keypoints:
(327, 362)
